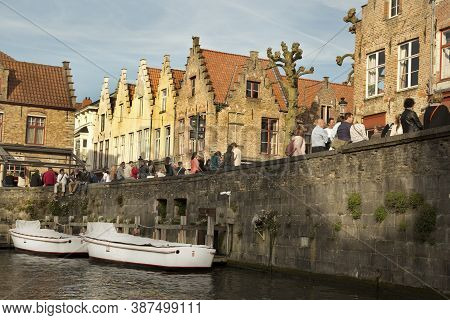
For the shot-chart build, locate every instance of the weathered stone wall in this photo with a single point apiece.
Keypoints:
(317, 234)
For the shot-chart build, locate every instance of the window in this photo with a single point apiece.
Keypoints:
(116, 150)
(141, 107)
(408, 64)
(102, 123)
(1, 126)
(140, 144)
(106, 153)
(77, 148)
(122, 149)
(394, 8)
(131, 146)
(445, 54)
(35, 130)
(100, 155)
(167, 141)
(325, 113)
(269, 136)
(181, 136)
(121, 112)
(147, 143)
(235, 127)
(157, 142)
(375, 74)
(84, 143)
(95, 155)
(252, 89)
(192, 86)
(163, 100)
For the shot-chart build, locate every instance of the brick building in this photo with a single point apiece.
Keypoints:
(394, 58)
(37, 105)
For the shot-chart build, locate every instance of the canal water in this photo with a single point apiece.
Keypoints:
(26, 276)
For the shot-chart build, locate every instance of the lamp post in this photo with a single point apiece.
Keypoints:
(342, 106)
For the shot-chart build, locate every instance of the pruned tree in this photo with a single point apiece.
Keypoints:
(353, 19)
(287, 61)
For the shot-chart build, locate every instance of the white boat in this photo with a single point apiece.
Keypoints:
(29, 236)
(104, 242)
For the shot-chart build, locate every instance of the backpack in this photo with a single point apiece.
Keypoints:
(290, 148)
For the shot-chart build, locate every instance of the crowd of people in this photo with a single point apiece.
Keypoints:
(324, 136)
(334, 135)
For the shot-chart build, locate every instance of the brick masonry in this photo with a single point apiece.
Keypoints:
(311, 195)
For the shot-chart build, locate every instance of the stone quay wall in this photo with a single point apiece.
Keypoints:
(311, 194)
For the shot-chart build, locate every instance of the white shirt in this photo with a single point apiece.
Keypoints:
(237, 156)
(358, 133)
(330, 133)
(21, 182)
(127, 171)
(106, 177)
(299, 146)
(62, 178)
(396, 130)
(160, 174)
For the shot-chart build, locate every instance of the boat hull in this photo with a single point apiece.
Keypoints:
(66, 246)
(184, 257)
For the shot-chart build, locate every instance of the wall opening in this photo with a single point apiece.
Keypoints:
(180, 206)
(162, 208)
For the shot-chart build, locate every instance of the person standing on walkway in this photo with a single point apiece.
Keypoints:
(409, 119)
(215, 161)
(228, 158)
(358, 133)
(121, 172)
(195, 165)
(396, 128)
(181, 171)
(237, 154)
(343, 132)
(319, 137)
(169, 167)
(299, 143)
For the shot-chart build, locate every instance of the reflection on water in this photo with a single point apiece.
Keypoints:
(35, 277)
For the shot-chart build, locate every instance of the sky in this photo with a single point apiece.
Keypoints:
(106, 36)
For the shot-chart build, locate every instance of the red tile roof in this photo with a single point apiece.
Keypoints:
(177, 77)
(36, 84)
(308, 90)
(153, 75)
(223, 69)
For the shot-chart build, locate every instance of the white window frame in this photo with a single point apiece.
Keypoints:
(409, 58)
(116, 149)
(181, 130)
(122, 149)
(443, 48)
(392, 6)
(131, 146)
(157, 143)
(147, 143)
(141, 106)
(167, 129)
(163, 100)
(376, 68)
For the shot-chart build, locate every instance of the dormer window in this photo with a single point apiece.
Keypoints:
(252, 89)
(394, 8)
(192, 86)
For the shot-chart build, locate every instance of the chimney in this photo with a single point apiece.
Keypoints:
(326, 80)
(86, 101)
(195, 44)
(254, 55)
(67, 71)
(142, 62)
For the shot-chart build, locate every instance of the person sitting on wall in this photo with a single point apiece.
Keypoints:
(36, 179)
(121, 172)
(49, 177)
(61, 180)
(8, 180)
(409, 119)
(21, 182)
(180, 171)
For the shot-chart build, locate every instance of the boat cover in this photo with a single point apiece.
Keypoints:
(107, 232)
(33, 228)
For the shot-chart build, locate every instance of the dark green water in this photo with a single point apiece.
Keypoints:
(27, 276)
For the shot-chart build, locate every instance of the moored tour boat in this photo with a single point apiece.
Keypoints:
(104, 242)
(28, 236)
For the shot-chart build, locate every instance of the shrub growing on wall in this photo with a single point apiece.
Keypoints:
(397, 202)
(380, 214)
(425, 223)
(415, 200)
(354, 205)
